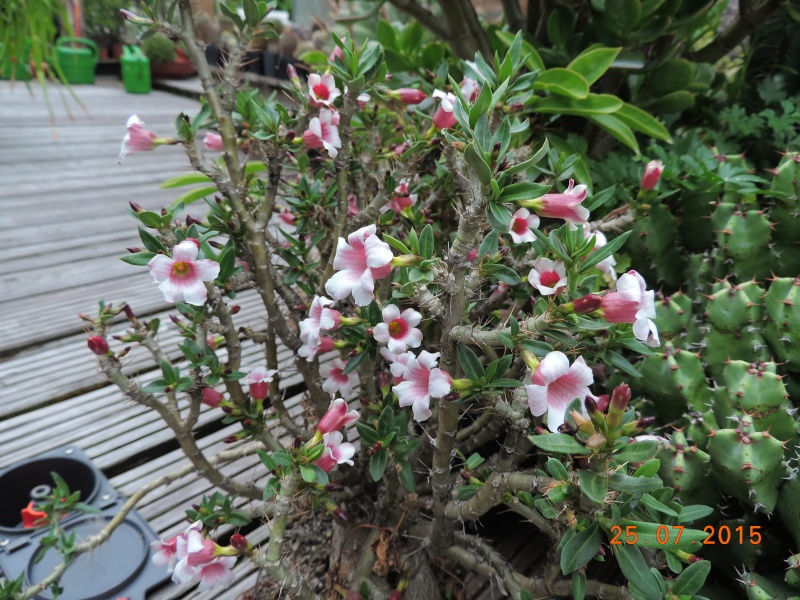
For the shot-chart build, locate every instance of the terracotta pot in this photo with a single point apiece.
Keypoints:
(180, 68)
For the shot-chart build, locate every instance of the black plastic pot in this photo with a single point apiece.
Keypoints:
(251, 62)
(120, 568)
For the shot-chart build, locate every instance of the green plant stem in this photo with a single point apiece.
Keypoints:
(470, 334)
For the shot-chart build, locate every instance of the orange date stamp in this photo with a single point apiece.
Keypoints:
(672, 535)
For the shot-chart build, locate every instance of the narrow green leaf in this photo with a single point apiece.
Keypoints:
(578, 585)
(635, 118)
(558, 442)
(478, 164)
(532, 59)
(267, 460)
(353, 363)
(657, 506)
(182, 180)
(593, 485)
(396, 244)
(426, 242)
(648, 469)
(615, 127)
(693, 512)
(196, 194)
(556, 468)
(635, 569)
(526, 164)
(563, 82)
(368, 434)
(377, 464)
(604, 252)
(138, 259)
(615, 359)
(523, 191)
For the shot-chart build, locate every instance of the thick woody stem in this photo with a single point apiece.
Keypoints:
(455, 304)
(469, 334)
(491, 494)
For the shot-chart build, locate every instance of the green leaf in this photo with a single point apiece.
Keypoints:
(604, 252)
(635, 569)
(138, 259)
(533, 61)
(578, 585)
(353, 363)
(648, 469)
(488, 245)
(563, 82)
(396, 244)
(593, 63)
(635, 485)
(478, 164)
(664, 537)
(377, 464)
(593, 485)
(593, 104)
(474, 461)
(615, 359)
(150, 219)
(637, 452)
(498, 216)
(692, 579)
(308, 474)
(673, 102)
(406, 475)
(693, 512)
(232, 15)
(182, 180)
(251, 13)
(635, 118)
(267, 460)
(558, 442)
(481, 105)
(616, 128)
(386, 35)
(227, 263)
(523, 191)
(503, 273)
(526, 164)
(657, 506)
(426, 242)
(368, 434)
(470, 363)
(386, 422)
(557, 469)
(196, 194)
(581, 548)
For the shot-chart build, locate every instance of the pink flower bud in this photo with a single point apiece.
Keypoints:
(211, 397)
(602, 402)
(336, 417)
(620, 398)
(587, 304)
(98, 345)
(239, 542)
(409, 95)
(336, 53)
(472, 254)
(213, 142)
(651, 175)
(135, 207)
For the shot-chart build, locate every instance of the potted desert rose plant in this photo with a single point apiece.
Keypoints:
(452, 310)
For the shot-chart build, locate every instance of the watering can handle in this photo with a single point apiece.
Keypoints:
(88, 43)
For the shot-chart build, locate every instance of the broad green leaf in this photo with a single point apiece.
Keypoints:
(635, 569)
(593, 104)
(503, 273)
(693, 512)
(581, 548)
(593, 485)
(692, 579)
(426, 242)
(648, 469)
(138, 259)
(377, 464)
(635, 118)
(557, 469)
(498, 216)
(368, 434)
(634, 485)
(470, 363)
(558, 442)
(308, 473)
(637, 452)
(673, 102)
(488, 245)
(267, 460)
(615, 127)
(523, 191)
(563, 82)
(593, 63)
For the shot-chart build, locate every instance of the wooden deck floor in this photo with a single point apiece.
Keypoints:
(63, 226)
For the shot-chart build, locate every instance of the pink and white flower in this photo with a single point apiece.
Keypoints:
(336, 417)
(337, 451)
(402, 199)
(361, 260)
(363, 99)
(335, 379)
(565, 205)
(422, 381)
(548, 276)
(309, 351)
(168, 552)
(320, 317)
(323, 132)
(138, 139)
(201, 560)
(444, 118)
(521, 225)
(398, 330)
(556, 384)
(258, 381)
(398, 363)
(211, 397)
(632, 303)
(352, 205)
(213, 142)
(181, 277)
(322, 91)
(471, 89)
(651, 175)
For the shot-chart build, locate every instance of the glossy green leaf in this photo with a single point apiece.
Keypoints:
(635, 569)
(558, 442)
(580, 549)
(377, 464)
(196, 194)
(615, 127)
(635, 118)
(533, 61)
(593, 63)
(593, 104)
(470, 363)
(692, 579)
(187, 179)
(563, 82)
(593, 485)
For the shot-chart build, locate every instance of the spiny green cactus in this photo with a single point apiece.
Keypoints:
(653, 239)
(793, 571)
(685, 467)
(675, 381)
(748, 465)
(782, 305)
(675, 320)
(785, 190)
(789, 508)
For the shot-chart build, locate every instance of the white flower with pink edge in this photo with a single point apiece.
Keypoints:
(181, 277)
(548, 276)
(322, 90)
(521, 225)
(138, 139)
(632, 303)
(336, 380)
(361, 260)
(323, 132)
(336, 417)
(555, 385)
(398, 330)
(422, 381)
(337, 451)
(397, 362)
(258, 381)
